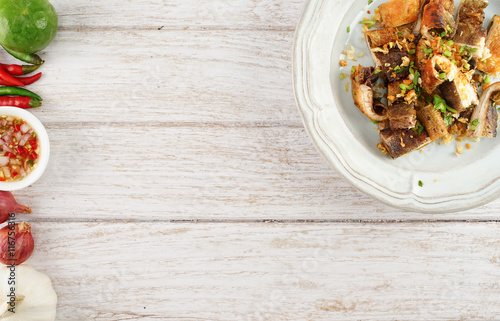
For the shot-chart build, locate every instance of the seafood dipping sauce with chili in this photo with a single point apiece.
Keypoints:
(19, 149)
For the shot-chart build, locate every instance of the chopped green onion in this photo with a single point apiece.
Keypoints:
(398, 69)
(442, 75)
(461, 49)
(412, 51)
(420, 183)
(443, 34)
(415, 77)
(370, 1)
(448, 120)
(448, 28)
(352, 70)
(466, 66)
(451, 42)
(368, 23)
(418, 128)
(451, 109)
(377, 71)
(487, 80)
(453, 61)
(400, 35)
(375, 122)
(484, 61)
(342, 76)
(348, 29)
(440, 104)
(405, 87)
(447, 54)
(474, 124)
(427, 50)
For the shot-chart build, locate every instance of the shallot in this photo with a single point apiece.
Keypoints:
(16, 243)
(8, 205)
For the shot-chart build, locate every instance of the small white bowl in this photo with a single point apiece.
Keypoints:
(43, 141)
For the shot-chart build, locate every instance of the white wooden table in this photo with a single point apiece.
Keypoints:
(183, 186)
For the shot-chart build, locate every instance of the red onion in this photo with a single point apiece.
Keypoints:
(17, 251)
(9, 205)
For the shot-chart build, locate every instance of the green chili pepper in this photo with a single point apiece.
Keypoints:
(29, 58)
(16, 91)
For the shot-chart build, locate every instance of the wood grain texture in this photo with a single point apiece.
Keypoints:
(179, 14)
(144, 271)
(169, 76)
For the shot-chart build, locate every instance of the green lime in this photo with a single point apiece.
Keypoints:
(27, 26)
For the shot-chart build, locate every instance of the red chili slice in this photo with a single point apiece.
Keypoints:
(21, 151)
(33, 155)
(9, 154)
(14, 173)
(33, 143)
(17, 128)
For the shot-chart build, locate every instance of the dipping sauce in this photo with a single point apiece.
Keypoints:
(19, 149)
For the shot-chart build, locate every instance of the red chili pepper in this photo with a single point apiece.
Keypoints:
(10, 155)
(19, 70)
(17, 128)
(2, 179)
(9, 78)
(20, 101)
(33, 155)
(33, 143)
(13, 173)
(21, 151)
(24, 80)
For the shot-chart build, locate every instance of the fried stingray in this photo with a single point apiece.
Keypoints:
(470, 31)
(432, 120)
(390, 64)
(362, 80)
(396, 13)
(436, 19)
(484, 118)
(402, 141)
(432, 70)
(492, 64)
(459, 93)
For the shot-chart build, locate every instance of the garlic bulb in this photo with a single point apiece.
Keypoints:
(34, 299)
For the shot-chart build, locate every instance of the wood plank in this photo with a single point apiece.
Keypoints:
(149, 171)
(179, 14)
(152, 271)
(175, 76)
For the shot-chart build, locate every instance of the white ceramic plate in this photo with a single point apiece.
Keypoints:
(348, 140)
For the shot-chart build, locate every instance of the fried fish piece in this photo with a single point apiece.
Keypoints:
(491, 65)
(470, 30)
(396, 13)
